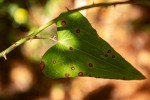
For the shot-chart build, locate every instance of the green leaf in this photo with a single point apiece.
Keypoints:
(81, 52)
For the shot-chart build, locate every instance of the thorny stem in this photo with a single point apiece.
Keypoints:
(102, 5)
(33, 34)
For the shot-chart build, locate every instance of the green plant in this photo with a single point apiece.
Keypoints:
(77, 38)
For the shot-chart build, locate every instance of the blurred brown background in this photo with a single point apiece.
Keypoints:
(124, 27)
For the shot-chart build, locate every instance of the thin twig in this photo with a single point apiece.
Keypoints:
(101, 5)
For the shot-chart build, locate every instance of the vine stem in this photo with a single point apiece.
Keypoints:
(34, 33)
(101, 5)
(30, 36)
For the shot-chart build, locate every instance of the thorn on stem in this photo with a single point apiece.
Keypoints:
(4, 55)
(67, 8)
(15, 44)
(36, 37)
(93, 2)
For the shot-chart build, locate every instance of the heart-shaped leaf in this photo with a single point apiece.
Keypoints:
(81, 52)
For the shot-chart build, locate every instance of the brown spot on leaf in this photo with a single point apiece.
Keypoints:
(70, 48)
(78, 31)
(106, 55)
(123, 78)
(42, 65)
(90, 65)
(73, 68)
(63, 23)
(80, 74)
(113, 56)
(54, 61)
(109, 51)
(67, 74)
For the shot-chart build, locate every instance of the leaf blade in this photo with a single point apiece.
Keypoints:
(81, 48)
